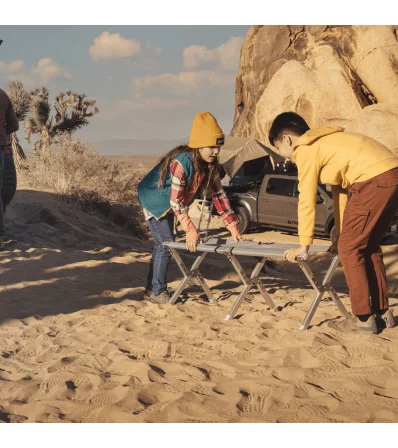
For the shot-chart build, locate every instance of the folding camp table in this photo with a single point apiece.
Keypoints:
(260, 251)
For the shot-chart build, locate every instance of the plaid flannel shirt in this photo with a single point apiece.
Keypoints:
(178, 193)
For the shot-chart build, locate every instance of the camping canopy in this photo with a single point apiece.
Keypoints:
(238, 150)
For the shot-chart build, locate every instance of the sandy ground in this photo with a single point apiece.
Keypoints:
(78, 343)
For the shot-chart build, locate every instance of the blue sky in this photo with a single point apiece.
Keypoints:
(149, 81)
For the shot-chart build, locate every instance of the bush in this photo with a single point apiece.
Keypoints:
(75, 171)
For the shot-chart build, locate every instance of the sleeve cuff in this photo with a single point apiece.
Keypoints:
(306, 241)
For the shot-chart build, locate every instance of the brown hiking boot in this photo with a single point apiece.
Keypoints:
(161, 299)
(385, 320)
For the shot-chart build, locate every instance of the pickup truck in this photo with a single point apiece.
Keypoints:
(274, 204)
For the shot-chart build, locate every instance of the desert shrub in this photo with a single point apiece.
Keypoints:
(75, 171)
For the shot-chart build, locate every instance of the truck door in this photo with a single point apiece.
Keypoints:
(277, 202)
(322, 204)
(320, 207)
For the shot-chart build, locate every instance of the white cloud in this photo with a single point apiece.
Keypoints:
(151, 103)
(114, 46)
(145, 64)
(12, 67)
(226, 56)
(149, 47)
(46, 70)
(184, 83)
(28, 82)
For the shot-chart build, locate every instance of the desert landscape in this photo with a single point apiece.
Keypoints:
(78, 342)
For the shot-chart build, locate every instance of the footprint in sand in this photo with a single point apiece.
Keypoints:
(108, 397)
(150, 409)
(364, 356)
(302, 358)
(216, 371)
(96, 362)
(204, 388)
(82, 386)
(66, 363)
(254, 400)
(163, 372)
(346, 390)
(132, 382)
(110, 382)
(11, 370)
(292, 375)
(157, 393)
(54, 380)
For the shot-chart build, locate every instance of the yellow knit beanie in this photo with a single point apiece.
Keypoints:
(205, 131)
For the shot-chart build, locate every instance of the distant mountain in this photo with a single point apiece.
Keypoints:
(131, 147)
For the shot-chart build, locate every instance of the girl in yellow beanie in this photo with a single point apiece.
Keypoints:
(181, 176)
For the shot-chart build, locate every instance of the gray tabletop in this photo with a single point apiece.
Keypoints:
(245, 248)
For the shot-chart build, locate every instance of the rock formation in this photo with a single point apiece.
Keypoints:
(331, 75)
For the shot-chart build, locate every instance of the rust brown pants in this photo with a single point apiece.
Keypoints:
(366, 220)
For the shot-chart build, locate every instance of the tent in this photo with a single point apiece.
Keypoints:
(240, 151)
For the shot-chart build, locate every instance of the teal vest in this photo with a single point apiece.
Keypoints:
(157, 200)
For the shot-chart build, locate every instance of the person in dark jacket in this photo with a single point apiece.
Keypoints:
(8, 124)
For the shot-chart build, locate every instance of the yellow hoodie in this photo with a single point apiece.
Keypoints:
(332, 156)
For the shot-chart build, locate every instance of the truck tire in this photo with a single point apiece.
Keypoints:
(333, 234)
(243, 219)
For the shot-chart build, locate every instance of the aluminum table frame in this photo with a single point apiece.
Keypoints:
(261, 251)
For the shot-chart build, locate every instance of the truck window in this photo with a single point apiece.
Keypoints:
(281, 187)
(327, 190)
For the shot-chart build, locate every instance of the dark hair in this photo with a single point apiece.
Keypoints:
(287, 122)
(210, 169)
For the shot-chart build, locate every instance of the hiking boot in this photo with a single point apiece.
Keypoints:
(385, 320)
(355, 325)
(148, 293)
(161, 299)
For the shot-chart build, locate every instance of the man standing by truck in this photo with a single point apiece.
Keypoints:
(370, 171)
(8, 124)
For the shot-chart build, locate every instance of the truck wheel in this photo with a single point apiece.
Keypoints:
(243, 219)
(333, 234)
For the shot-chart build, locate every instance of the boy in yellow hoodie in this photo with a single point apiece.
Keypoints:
(366, 168)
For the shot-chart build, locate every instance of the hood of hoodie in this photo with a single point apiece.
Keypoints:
(314, 134)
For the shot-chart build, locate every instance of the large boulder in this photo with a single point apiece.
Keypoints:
(331, 75)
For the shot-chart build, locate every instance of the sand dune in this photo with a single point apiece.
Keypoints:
(78, 343)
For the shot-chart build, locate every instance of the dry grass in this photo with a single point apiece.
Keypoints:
(76, 172)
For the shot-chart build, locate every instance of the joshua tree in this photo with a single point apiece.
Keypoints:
(71, 114)
(20, 99)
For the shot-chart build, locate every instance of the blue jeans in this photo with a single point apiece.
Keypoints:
(162, 231)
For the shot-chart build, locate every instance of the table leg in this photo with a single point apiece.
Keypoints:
(188, 275)
(320, 289)
(248, 284)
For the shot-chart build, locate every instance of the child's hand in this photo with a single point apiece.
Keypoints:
(192, 245)
(233, 228)
(192, 239)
